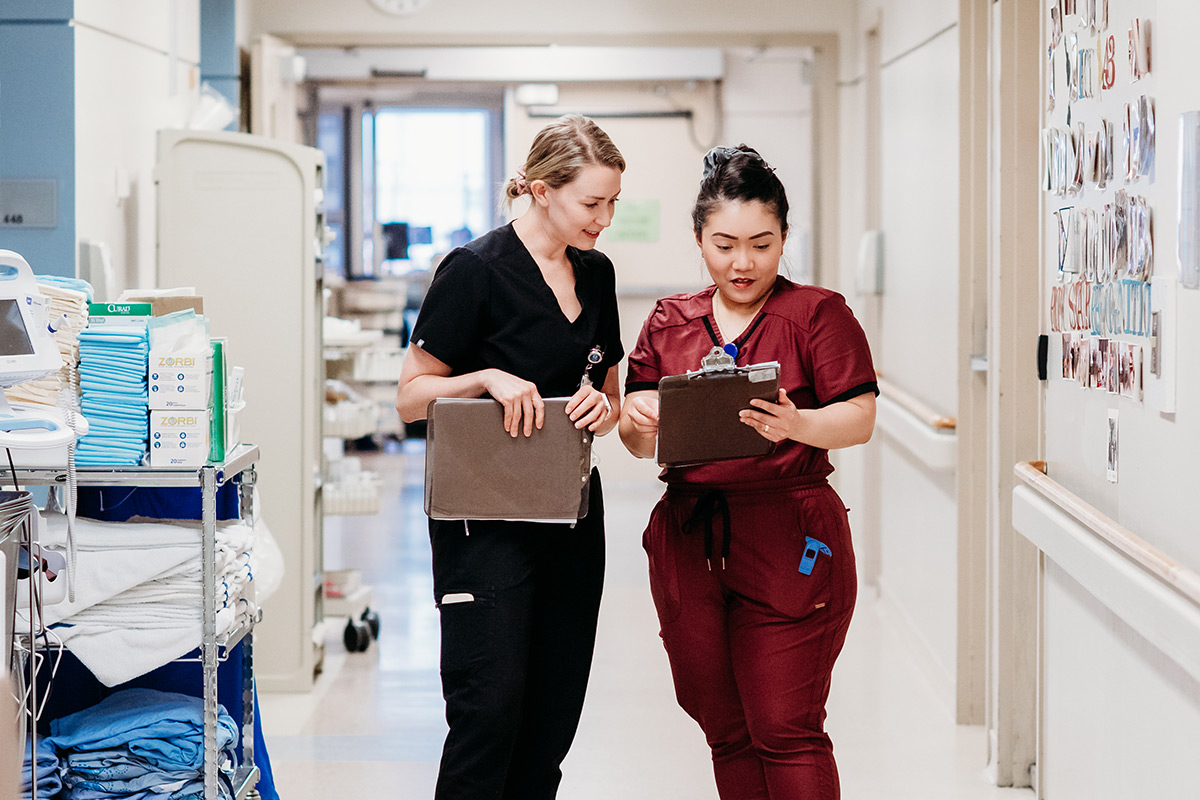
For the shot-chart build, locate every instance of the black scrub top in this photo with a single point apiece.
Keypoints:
(488, 306)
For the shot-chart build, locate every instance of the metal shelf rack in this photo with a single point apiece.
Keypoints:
(209, 478)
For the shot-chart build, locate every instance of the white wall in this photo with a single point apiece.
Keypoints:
(1155, 497)
(1119, 716)
(1120, 719)
(907, 518)
(136, 71)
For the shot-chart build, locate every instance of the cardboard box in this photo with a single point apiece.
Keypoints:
(179, 437)
(180, 379)
(161, 306)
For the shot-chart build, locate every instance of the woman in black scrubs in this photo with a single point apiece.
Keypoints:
(514, 315)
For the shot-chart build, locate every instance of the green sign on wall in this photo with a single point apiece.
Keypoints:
(635, 221)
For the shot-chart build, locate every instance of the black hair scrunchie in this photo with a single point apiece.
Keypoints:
(716, 158)
(720, 155)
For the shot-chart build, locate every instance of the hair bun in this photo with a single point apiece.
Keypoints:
(717, 158)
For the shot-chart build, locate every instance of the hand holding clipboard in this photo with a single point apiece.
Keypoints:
(699, 411)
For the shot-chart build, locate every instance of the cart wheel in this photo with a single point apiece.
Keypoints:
(372, 619)
(357, 637)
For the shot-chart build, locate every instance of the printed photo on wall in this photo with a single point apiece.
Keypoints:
(1131, 372)
(1188, 232)
(1101, 15)
(1139, 48)
(1140, 240)
(1056, 27)
(1113, 452)
(1062, 220)
(1079, 148)
(1112, 362)
(1098, 373)
(1146, 118)
(1085, 74)
(1133, 127)
(1119, 231)
(1083, 359)
(1066, 356)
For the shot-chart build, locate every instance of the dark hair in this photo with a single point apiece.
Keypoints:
(738, 174)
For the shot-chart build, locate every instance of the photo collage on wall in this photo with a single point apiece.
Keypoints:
(1098, 156)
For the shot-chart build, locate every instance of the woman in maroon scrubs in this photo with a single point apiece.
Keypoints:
(752, 633)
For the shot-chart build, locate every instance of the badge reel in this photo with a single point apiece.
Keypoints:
(594, 357)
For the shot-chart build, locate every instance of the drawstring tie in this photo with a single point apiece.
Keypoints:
(711, 503)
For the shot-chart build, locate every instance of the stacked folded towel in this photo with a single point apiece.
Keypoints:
(66, 298)
(45, 775)
(112, 378)
(141, 744)
(139, 596)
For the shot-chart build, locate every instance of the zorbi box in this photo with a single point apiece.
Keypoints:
(178, 437)
(180, 379)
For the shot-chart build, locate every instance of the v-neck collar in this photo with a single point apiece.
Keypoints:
(541, 278)
(714, 330)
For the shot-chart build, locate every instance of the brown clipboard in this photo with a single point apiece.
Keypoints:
(475, 470)
(698, 414)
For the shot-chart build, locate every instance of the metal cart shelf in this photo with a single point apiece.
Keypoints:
(209, 478)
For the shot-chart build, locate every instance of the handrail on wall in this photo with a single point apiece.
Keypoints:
(915, 407)
(1150, 558)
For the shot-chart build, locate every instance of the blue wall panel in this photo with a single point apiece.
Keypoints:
(37, 130)
(61, 10)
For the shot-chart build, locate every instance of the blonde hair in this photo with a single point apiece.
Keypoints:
(559, 153)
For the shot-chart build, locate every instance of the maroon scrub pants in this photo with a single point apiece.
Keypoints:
(752, 640)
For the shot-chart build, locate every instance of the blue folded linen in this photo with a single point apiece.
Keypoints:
(166, 729)
(74, 284)
(45, 775)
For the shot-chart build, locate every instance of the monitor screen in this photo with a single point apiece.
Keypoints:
(14, 339)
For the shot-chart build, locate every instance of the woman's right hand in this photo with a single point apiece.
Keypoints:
(643, 413)
(520, 398)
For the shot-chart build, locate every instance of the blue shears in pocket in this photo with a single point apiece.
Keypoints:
(812, 548)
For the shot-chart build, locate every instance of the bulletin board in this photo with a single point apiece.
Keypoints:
(1120, 153)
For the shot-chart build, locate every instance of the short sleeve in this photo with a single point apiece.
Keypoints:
(838, 352)
(645, 366)
(610, 322)
(451, 317)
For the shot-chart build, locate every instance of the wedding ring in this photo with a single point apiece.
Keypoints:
(766, 428)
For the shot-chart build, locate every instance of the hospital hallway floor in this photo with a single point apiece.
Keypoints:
(373, 725)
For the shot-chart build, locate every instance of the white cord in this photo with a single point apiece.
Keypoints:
(66, 404)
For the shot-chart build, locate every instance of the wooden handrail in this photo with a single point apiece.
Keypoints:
(1136, 549)
(915, 407)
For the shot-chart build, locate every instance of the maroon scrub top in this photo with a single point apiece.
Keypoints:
(810, 331)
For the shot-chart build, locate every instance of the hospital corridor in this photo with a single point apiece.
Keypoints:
(373, 724)
(646, 400)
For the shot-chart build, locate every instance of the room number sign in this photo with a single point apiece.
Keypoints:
(28, 203)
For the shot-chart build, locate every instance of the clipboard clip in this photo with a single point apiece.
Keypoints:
(717, 360)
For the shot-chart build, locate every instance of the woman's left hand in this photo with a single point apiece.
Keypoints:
(589, 407)
(773, 421)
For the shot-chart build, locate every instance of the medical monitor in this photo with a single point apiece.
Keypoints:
(27, 348)
(14, 337)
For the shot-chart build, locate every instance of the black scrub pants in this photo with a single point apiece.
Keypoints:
(515, 658)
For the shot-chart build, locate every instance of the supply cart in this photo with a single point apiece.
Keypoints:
(237, 468)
